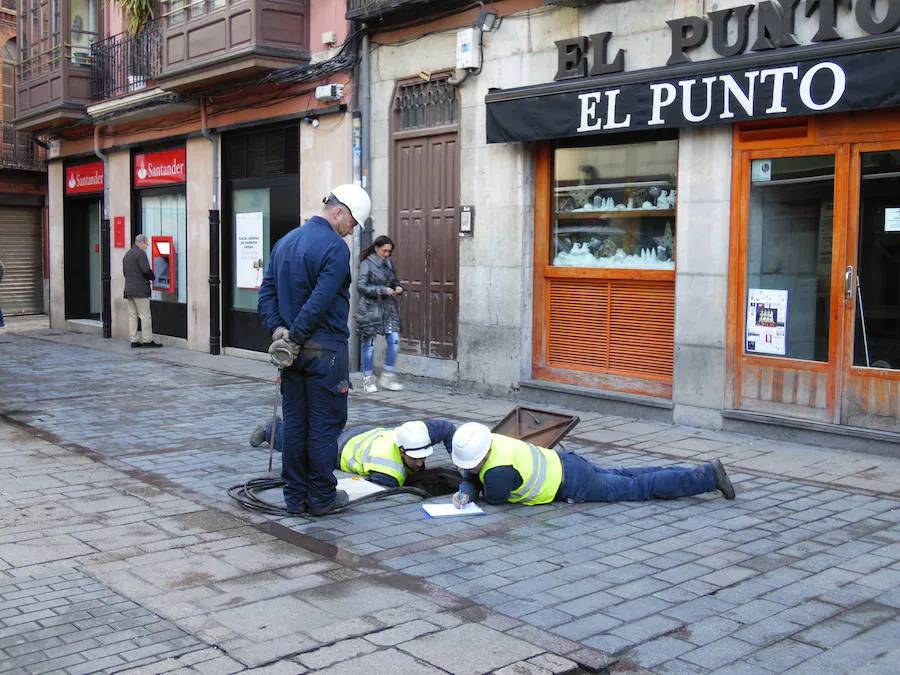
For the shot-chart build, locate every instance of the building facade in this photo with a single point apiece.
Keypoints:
(23, 192)
(649, 207)
(204, 131)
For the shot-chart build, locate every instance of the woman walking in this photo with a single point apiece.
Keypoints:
(377, 312)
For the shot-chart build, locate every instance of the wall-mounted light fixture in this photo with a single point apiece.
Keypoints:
(486, 21)
(312, 121)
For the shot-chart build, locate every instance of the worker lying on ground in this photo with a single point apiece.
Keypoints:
(384, 455)
(506, 469)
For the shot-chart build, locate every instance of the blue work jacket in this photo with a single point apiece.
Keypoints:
(307, 285)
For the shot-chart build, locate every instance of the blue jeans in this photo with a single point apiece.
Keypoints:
(586, 482)
(314, 394)
(367, 346)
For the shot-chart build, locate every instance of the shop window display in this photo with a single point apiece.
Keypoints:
(615, 206)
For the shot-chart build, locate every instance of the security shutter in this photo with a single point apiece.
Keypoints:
(22, 288)
(615, 326)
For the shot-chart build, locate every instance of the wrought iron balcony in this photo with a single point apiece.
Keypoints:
(11, 4)
(18, 151)
(123, 64)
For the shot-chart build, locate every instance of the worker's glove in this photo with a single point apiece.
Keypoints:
(283, 352)
(280, 333)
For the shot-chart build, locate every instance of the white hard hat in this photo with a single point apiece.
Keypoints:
(471, 443)
(413, 438)
(356, 199)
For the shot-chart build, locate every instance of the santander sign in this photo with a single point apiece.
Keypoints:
(160, 168)
(84, 178)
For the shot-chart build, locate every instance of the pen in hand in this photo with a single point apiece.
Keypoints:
(459, 502)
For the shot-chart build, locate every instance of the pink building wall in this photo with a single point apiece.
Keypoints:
(327, 15)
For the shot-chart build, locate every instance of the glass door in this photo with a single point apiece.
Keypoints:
(789, 307)
(258, 213)
(871, 292)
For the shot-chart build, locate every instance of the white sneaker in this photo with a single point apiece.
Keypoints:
(369, 384)
(389, 381)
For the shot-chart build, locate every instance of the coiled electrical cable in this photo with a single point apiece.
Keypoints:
(247, 495)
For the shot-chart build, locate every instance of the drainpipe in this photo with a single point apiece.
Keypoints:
(215, 282)
(365, 108)
(105, 265)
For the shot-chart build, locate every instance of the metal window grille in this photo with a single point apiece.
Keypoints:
(420, 105)
(17, 151)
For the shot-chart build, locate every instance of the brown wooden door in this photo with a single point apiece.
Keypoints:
(426, 243)
(871, 293)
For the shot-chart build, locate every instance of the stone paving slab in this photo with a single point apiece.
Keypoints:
(787, 574)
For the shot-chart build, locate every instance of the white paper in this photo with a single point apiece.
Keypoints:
(357, 487)
(892, 220)
(766, 321)
(448, 510)
(249, 250)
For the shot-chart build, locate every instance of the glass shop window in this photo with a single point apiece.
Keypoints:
(789, 252)
(615, 206)
(166, 215)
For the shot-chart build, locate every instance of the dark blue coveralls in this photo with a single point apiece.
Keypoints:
(307, 289)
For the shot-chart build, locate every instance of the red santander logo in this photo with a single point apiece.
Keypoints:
(84, 178)
(160, 168)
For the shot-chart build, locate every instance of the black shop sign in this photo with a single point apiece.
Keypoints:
(813, 82)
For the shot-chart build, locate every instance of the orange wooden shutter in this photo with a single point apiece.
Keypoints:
(622, 327)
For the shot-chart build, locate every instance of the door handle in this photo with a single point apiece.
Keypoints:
(848, 283)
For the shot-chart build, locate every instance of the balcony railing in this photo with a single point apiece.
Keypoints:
(123, 64)
(10, 4)
(17, 151)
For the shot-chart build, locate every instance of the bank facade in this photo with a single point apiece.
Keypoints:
(656, 211)
(193, 132)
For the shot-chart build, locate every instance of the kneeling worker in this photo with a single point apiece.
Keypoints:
(506, 469)
(383, 455)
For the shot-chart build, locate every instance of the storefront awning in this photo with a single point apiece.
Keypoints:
(858, 74)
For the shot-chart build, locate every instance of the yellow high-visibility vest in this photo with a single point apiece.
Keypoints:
(374, 450)
(540, 468)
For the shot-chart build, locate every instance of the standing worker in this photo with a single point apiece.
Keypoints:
(509, 470)
(138, 276)
(305, 303)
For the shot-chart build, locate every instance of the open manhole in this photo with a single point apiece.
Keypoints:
(436, 482)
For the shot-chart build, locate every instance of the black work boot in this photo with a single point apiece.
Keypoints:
(723, 482)
(341, 499)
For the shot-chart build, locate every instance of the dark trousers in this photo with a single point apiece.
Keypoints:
(586, 482)
(314, 394)
(344, 436)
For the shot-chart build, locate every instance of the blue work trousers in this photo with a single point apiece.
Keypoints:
(586, 482)
(314, 391)
(367, 346)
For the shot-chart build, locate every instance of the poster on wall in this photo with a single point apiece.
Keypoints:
(249, 254)
(766, 319)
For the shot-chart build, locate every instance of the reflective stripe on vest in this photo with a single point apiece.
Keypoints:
(540, 468)
(374, 450)
(530, 488)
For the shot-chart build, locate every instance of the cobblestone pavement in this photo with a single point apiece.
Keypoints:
(113, 467)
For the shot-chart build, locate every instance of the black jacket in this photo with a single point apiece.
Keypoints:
(138, 274)
(376, 312)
